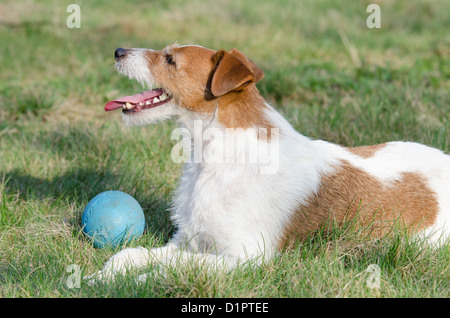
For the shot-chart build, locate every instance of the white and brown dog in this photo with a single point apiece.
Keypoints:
(232, 211)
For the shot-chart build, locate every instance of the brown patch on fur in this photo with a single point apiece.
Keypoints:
(366, 151)
(232, 84)
(232, 72)
(243, 109)
(186, 79)
(190, 81)
(352, 194)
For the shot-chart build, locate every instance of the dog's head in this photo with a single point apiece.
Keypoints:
(182, 80)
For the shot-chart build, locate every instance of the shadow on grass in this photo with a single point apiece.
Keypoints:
(77, 187)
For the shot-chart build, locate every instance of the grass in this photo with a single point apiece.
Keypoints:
(331, 76)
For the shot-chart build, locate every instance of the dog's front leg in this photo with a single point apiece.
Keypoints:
(129, 259)
(170, 255)
(176, 257)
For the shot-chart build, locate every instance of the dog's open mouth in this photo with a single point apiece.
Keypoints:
(138, 102)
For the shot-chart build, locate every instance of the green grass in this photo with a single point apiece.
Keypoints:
(58, 148)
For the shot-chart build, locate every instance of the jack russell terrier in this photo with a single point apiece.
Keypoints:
(232, 211)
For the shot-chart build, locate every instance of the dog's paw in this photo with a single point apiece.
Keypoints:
(157, 272)
(118, 264)
(98, 277)
(141, 279)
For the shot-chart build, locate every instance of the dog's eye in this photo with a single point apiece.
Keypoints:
(170, 60)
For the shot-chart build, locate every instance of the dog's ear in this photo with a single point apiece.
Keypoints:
(257, 72)
(233, 72)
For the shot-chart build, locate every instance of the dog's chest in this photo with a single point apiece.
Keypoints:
(213, 201)
(204, 189)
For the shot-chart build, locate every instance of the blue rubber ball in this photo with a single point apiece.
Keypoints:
(112, 218)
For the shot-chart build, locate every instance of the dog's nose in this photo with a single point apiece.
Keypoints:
(119, 53)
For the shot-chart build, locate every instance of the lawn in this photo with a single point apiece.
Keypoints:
(329, 74)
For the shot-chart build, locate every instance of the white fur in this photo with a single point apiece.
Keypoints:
(136, 67)
(229, 213)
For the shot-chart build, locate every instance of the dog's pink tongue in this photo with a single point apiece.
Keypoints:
(133, 99)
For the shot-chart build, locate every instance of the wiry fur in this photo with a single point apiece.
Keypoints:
(230, 212)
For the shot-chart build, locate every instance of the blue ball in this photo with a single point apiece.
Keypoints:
(112, 218)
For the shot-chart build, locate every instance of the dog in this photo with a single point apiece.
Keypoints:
(229, 211)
